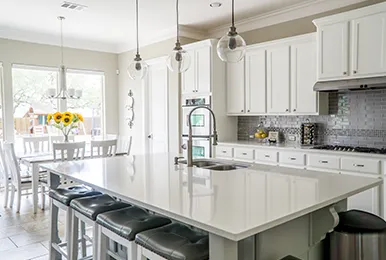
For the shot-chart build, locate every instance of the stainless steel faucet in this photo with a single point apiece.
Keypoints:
(190, 137)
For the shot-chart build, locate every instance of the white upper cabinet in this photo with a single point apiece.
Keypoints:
(278, 79)
(197, 79)
(333, 51)
(303, 77)
(352, 44)
(369, 45)
(236, 88)
(256, 81)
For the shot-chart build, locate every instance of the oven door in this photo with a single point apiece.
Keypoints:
(201, 121)
(202, 147)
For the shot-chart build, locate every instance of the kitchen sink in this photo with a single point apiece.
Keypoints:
(215, 165)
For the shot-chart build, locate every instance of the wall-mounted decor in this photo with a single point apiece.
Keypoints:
(130, 108)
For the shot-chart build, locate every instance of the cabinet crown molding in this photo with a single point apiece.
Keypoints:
(351, 15)
(304, 37)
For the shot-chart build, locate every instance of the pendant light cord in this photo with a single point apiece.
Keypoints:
(137, 26)
(61, 40)
(233, 13)
(178, 24)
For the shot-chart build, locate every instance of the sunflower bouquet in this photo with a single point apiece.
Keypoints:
(65, 122)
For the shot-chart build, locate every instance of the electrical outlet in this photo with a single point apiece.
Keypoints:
(292, 137)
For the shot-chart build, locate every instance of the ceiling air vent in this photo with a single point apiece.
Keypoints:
(73, 6)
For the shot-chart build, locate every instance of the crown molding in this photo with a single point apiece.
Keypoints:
(293, 12)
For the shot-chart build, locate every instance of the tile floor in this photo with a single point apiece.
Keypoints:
(25, 236)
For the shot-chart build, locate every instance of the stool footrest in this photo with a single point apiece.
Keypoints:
(59, 250)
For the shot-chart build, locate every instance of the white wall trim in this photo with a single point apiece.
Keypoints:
(294, 12)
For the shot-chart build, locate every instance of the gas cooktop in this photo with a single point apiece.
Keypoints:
(351, 149)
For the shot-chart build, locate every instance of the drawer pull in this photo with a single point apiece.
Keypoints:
(267, 156)
(323, 161)
(224, 151)
(245, 153)
(358, 165)
(292, 159)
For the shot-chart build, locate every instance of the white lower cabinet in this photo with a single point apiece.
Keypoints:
(223, 152)
(323, 162)
(244, 154)
(266, 156)
(292, 159)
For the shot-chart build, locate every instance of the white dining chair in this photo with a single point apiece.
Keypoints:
(36, 144)
(105, 148)
(18, 183)
(124, 144)
(69, 151)
(60, 138)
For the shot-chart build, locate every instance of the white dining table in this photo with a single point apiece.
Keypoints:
(33, 161)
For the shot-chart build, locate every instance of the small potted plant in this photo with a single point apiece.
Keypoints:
(65, 122)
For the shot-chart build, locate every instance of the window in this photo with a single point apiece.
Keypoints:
(30, 105)
(1, 102)
(91, 103)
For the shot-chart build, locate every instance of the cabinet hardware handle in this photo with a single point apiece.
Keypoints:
(323, 161)
(287, 110)
(249, 110)
(245, 154)
(224, 151)
(358, 165)
(267, 156)
(292, 159)
(294, 110)
(242, 110)
(345, 73)
(355, 72)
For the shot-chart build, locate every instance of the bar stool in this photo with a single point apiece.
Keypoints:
(60, 199)
(86, 211)
(172, 242)
(122, 226)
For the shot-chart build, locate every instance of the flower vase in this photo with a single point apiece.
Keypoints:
(66, 139)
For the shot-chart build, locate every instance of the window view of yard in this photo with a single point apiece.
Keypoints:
(31, 105)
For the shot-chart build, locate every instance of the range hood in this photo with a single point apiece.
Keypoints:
(351, 85)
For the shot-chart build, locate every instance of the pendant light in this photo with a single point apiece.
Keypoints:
(138, 68)
(64, 93)
(231, 47)
(179, 59)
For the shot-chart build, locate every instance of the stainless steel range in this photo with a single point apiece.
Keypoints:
(351, 149)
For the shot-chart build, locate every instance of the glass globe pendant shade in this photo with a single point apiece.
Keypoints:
(137, 69)
(232, 47)
(178, 60)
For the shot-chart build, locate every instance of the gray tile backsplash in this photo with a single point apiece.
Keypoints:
(355, 118)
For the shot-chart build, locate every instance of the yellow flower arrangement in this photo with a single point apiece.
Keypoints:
(65, 122)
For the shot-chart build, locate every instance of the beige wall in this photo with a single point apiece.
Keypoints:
(125, 84)
(17, 52)
(295, 27)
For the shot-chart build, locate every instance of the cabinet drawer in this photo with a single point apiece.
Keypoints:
(244, 153)
(323, 161)
(361, 165)
(266, 156)
(292, 158)
(224, 151)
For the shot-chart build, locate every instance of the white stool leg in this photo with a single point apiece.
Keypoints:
(43, 196)
(54, 238)
(12, 196)
(74, 237)
(132, 249)
(68, 230)
(95, 239)
(83, 240)
(6, 194)
(102, 248)
(18, 200)
(140, 255)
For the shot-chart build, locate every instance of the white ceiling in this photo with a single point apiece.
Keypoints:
(109, 25)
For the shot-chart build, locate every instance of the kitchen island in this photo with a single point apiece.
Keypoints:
(261, 212)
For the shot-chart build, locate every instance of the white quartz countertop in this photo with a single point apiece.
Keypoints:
(299, 148)
(232, 204)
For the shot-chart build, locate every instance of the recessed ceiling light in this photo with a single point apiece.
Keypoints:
(73, 6)
(215, 4)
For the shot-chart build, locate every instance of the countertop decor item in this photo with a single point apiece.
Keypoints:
(179, 59)
(261, 133)
(130, 108)
(231, 47)
(65, 122)
(64, 93)
(307, 133)
(138, 68)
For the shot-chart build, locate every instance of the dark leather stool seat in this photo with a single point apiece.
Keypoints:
(175, 242)
(66, 195)
(128, 222)
(92, 206)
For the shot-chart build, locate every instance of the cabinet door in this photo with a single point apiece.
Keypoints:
(303, 78)
(369, 45)
(236, 87)
(305, 192)
(333, 51)
(278, 80)
(255, 82)
(203, 69)
(279, 195)
(188, 77)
